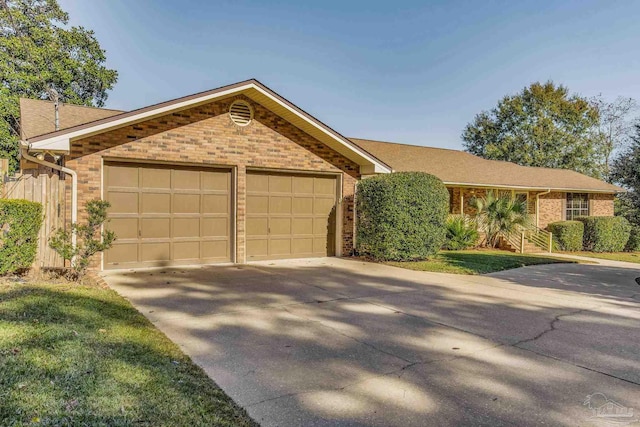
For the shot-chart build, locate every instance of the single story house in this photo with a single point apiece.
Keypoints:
(240, 173)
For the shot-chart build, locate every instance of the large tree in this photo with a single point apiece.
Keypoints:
(543, 125)
(41, 56)
(625, 170)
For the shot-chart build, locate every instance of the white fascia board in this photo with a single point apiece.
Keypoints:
(520, 187)
(59, 144)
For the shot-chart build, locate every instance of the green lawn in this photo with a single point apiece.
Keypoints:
(82, 355)
(477, 261)
(614, 256)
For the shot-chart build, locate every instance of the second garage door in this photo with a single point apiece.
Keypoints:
(290, 215)
(165, 215)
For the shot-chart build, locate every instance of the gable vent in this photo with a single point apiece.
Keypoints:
(241, 113)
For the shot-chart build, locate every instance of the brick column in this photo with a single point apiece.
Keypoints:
(241, 211)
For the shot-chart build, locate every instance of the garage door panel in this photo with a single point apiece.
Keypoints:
(123, 202)
(186, 203)
(186, 227)
(216, 181)
(302, 205)
(215, 227)
(156, 203)
(215, 250)
(123, 177)
(155, 228)
(257, 226)
(303, 185)
(156, 178)
(155, 251)
(280, 226)
(279, 184)
(186, 251)
(122, 253)
(298, 219)
(325, 186)
(257, 204)
(278, 247)
(215, 203)
(280, 205)
(167, 214)
(186, 180)
(125, 228)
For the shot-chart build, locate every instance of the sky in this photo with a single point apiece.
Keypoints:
(410, 72)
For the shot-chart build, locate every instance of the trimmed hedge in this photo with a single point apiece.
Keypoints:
(569, 234)
(401, 216)
(20, 222)
(605, 233)
(633, 244)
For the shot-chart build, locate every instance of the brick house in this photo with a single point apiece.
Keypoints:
(239, 173)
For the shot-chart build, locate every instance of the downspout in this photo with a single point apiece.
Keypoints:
(24, 152)
(538, 206)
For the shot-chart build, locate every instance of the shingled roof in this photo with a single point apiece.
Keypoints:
(455, 167)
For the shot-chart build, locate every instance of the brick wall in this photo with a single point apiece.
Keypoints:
(206, 135)
(601, 204)
(551, 208)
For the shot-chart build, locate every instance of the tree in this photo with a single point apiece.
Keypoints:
(40, 55)
(498, 215)
(615, 126)
(625, 171)
(543, 125)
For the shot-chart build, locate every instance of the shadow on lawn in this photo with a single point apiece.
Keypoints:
(353, 343)
(84, 356)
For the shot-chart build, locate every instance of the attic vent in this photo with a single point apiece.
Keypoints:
(241, 113)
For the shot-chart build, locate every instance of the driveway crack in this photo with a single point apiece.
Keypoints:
(552, 326)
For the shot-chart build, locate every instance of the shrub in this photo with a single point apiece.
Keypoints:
(20, 222)
(633, 244)
(401, 216)
(462, 233)
(569, 234)
(90, 240)
(605, 233)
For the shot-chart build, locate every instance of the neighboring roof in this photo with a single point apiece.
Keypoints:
(461, 168)
(60, 141)
(37, 116)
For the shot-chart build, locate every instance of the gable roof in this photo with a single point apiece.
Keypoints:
(37, 116)
(455, 167)
(60, 141)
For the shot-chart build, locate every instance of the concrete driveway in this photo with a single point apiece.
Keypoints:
(343, 342)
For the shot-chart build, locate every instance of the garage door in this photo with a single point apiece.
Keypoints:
(167, 215)
(290, 216)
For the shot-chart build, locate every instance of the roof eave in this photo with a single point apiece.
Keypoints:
(534, 188)
(61, 141)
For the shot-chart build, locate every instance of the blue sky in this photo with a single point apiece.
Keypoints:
(412, 72)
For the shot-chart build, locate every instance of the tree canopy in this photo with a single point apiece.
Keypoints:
(41, 55)
(625, 170)
(543, 125)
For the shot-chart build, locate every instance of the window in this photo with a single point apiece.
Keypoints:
(577, 205)
(523, 198)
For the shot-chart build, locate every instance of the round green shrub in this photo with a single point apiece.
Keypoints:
(462, 233)
(20, 222)
(569, 234)
(605, 233)
(401, 216)
(633, 244)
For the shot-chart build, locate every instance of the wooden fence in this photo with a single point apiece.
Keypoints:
(46, 187)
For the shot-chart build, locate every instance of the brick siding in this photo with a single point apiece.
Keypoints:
(206, 135)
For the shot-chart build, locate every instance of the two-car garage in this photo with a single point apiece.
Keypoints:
(172, 215)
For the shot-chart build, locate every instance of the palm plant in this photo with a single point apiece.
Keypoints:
(462, 233)
(499, 215)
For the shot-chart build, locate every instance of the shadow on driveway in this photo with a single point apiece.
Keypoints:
(336, 341)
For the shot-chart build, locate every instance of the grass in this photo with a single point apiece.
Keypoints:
(82, 355)
(477, 261)
(614, 256)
